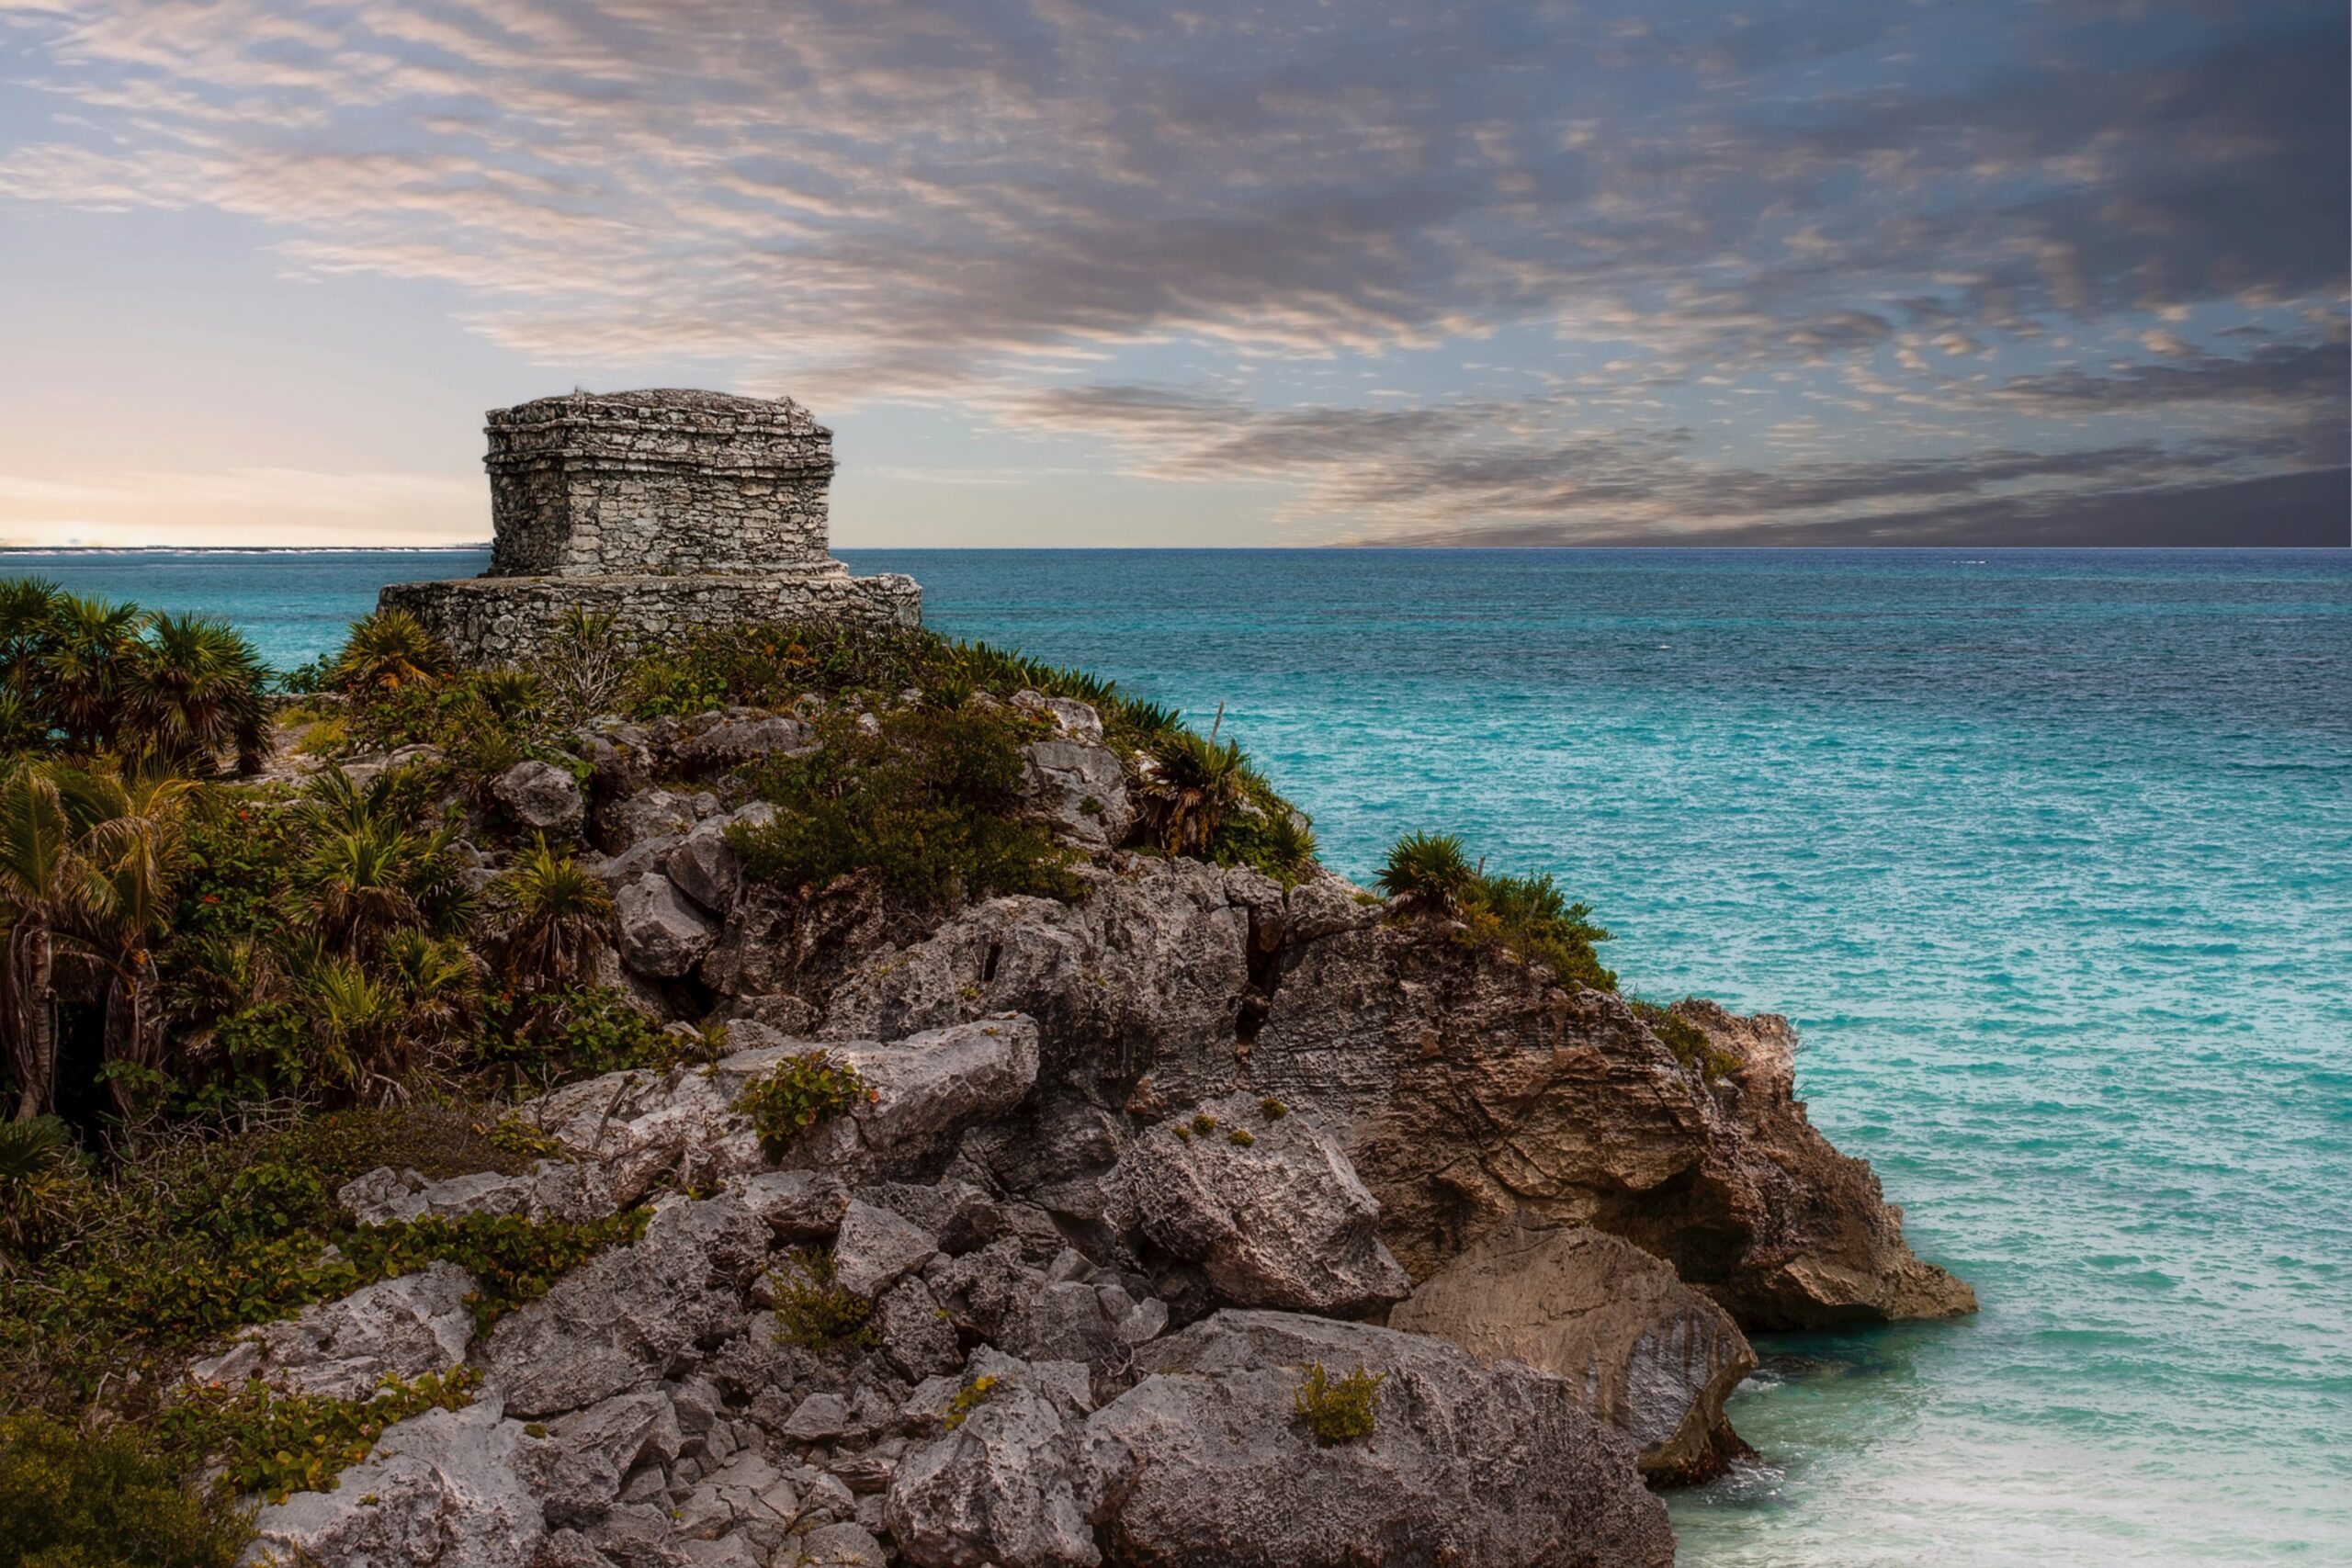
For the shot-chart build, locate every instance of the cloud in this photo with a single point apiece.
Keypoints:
(981, 205)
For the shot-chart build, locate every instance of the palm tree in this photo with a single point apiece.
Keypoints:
(136, 850)
(357, 879)
(195, 689)
(1429, 871)
(555, 915)
(45, 886)
(91, 647)
(388, 650)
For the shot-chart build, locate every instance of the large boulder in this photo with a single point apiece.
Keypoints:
(441, 1490)
(1649, 1355)
(541, 798)
(402, 1328)
(1078, 789)
(663, 933)
(744, 736)
(1214, 1468)
(1013, 1483)
(648, 814)
(577, 1464)
(632, 1315)
(705, 866)
(1267, 1206)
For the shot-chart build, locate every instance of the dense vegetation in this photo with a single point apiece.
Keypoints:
(259, 935)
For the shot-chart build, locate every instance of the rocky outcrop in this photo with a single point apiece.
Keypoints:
(1501, 1467)
(1644, 1352)
(1267, 1206)
(1015, 1482)
(541, 798)
(400, 1327)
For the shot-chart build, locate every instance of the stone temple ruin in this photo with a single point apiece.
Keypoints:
(666, 510)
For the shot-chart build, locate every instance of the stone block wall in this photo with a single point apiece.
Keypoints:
(661, 483)
(492, 621)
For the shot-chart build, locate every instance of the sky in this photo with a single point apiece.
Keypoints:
(1839, 272)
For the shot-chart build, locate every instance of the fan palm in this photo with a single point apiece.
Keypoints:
(390, 650)
(556, 915)
(90, 648)
(356, 880)
(1196, 781)
(136, 850)
(194, 689)
(1429, 871)
(46, 884)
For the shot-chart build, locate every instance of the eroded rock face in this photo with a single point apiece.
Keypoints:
(1470, 1086)
(402, 1328)
(552, 1190)
(1645, 1353)
(1269, 1208)
(634, 1315)
(1080, 789)
(1498, 1469)
(1014, 1483)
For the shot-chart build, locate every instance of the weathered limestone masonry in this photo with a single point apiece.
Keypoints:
(668, 509)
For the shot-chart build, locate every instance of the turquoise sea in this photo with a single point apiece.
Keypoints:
(2049, 853)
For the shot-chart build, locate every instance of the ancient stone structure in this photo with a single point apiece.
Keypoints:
(667, 510)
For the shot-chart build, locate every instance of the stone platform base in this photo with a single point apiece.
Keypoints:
(504, 620)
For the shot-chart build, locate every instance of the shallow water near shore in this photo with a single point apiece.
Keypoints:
(2048, 854)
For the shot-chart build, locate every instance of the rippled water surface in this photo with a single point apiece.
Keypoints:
(2049, 854)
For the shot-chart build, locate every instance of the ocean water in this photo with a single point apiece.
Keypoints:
(2048, 854)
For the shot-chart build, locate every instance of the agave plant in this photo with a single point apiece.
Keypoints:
(388, 650)
(554, 915)
(1431, 872)
(1195, 782)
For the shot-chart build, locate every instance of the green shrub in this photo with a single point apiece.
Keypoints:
(931, 804)
(1241, 1137)
(797, 1094)
(1431, 873)
(812, 1309)
(1271, 1109)
(1204, 1123)
(77, 1498)
(1428, 871)
(1691, 1045)
(269, 1199)
(275, 1443)
(1344, 1411)
(556, 1037)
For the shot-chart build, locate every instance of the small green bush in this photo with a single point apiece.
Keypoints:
(1690, 1044)
(76, 1498)
(1241, 1137)
(1431, 873)
(931, 804)
(968, 1398)
(797, 1093)
(812, 1309)
(1204, 1123)
(1271, 1109)
(1337, 1412)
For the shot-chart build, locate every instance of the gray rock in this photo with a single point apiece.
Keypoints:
(836, 1546)
(736, 741)
(578, 1469)
(916, 1332)
(639, 859)
(748, 1498)
(557, 1189)
(1145, 978)
(441, 1490)
(1014, 1483)
(963, 1217)
(542, 798)
(927, 1089)
(397, 1328)
(654, 813)
(1073, 720)
(819, 1418)
(663, 935)
(704, 868)
(638, 1126)
(1645, 1352)
(1281, 1221)
(799, 1205)
(1499, 1469)
(875, 1250)
(634, 1315)
(1078, 789)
